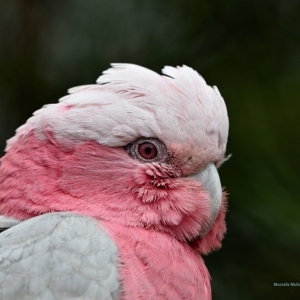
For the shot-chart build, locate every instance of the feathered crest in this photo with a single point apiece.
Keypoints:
(130, 101)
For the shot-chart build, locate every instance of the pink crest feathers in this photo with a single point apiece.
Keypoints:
(131, 101)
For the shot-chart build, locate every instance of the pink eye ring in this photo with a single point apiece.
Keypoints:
(147, 150)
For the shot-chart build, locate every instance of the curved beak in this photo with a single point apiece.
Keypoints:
(211, 183)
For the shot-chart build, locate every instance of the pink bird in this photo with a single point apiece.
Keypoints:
(113, 193)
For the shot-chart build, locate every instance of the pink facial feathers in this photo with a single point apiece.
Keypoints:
(83, 155)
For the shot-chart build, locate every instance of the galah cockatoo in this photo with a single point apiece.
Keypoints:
(113, 193)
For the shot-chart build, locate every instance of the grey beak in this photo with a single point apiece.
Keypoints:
(210, 181)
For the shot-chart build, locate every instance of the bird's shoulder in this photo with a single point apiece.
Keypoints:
(58, 256)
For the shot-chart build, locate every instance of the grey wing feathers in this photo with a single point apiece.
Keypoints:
(7, 222)
(58, 256)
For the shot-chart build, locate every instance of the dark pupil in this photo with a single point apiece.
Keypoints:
(148, 150)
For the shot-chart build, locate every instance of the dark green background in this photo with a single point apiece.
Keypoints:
(250, 49)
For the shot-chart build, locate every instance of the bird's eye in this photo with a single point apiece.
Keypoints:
(147, 150)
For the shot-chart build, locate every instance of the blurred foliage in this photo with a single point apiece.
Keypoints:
(250, 49)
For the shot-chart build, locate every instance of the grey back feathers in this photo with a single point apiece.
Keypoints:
(58, 256)
(7, 222)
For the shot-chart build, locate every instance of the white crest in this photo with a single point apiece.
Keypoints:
(131, 101)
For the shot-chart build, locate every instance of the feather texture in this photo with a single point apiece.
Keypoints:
(53, 256)
(131, 101)
(83, 156)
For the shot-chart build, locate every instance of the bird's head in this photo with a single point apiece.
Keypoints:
(138, 148)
